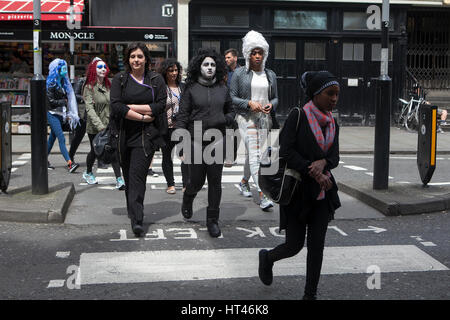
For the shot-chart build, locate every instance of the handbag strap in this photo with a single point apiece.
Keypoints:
(298, 119)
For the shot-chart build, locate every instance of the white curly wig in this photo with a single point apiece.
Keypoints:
(251, 41)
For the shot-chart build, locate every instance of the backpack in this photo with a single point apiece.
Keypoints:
(279, 186)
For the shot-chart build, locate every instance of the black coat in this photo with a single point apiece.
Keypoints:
(210, 104)
(56, 97)
(152, 132)
(300, 149)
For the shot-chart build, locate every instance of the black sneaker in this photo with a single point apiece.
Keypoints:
(152, 173)
(49, 166)
(265, 268)
(72, 167)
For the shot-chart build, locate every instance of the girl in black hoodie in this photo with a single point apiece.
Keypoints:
(206, 99)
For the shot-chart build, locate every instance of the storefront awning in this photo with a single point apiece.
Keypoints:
(13, 10)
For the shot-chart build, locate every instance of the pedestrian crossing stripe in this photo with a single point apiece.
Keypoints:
(192, 265)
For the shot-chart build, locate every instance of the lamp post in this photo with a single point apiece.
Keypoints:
(39, 169)
(383, 109)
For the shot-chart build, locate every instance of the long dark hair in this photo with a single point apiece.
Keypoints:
(133, 46)
(193, 72)
(168, 63)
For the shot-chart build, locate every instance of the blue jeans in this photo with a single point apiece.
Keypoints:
(55, 122)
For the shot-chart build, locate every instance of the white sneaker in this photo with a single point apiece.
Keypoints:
(245, 189)
(265, 203)
(89, 178)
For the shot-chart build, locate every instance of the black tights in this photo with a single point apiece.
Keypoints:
(317, 223)
(90, 159)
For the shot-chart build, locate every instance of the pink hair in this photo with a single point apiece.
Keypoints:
(91, 74)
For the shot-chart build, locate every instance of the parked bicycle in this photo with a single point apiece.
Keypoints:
(409, 114)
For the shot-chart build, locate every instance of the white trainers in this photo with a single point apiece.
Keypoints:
(245, 189)
(265, 203)
(89, 178)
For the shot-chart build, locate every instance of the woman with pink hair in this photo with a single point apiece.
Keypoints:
(96, 96)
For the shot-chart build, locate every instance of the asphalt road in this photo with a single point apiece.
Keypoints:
(94, 256)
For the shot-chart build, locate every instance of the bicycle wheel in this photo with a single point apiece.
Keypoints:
(411, 124)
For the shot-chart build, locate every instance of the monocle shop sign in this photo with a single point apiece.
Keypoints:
(110, 34)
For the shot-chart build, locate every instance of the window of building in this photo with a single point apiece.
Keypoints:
(315, 51)
(221, 17)
(353, 51)
(285, 50)
(198, 44)
(358, 21)
(376, 51)
(293, 19)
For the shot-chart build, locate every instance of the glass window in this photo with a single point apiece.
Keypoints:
(353, 51)
(376, 51)
(285, 50)
(315, 51)
(211, 44)
(358, 21)
(292, 19)
(220, 17)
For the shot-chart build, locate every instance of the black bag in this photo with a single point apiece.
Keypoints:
(280, 186)
(106, 145)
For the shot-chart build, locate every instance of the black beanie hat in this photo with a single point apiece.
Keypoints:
(313, 82)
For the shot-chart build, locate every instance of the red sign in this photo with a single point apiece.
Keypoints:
(13, 10)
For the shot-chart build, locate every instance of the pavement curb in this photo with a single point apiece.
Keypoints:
(19, 205)
(391, 202)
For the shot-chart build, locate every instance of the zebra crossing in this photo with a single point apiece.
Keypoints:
(230, 178)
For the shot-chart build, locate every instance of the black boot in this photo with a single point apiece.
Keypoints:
(186, 206)
(137, 228)
(265, 268)
(212, 218)
(308, 296)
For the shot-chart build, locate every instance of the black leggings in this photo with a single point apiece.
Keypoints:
(317, 224)
(167, 163)
(78, 135)
(90, 159)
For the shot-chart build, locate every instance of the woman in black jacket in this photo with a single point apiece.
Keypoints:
(313, 151)
(138, 98)
(206, 100)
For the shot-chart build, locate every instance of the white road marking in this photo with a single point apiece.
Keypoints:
(185, 265)
(18, 163)
(356, 168)
(14, 169)
(62, 254)
(439, 183)
(338, 230)
(371, 174)
(374, 229)
(25, 156)
(428, 244)
(56, 283)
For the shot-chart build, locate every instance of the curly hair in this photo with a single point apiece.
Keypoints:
(168, 63)
(132, 47)
(91, 74)
(193, 72)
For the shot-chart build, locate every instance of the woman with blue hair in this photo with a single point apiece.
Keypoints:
(62, 109)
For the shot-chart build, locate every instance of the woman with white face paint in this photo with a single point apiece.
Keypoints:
(206, 99)
(96, 96)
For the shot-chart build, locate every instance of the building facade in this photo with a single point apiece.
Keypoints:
(340, 36)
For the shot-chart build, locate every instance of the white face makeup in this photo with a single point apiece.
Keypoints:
(101, 69)
(208, 68)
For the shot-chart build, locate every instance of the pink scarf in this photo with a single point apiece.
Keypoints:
(317, 120)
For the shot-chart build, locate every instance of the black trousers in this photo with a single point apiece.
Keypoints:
(90, 158)
(197, 174)
(316, 225)
(167, 163)
(135, 169)
(78, 135)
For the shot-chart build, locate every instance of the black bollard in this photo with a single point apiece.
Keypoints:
(382, 133)
(39, 158)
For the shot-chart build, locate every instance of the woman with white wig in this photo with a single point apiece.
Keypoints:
(254, 93)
